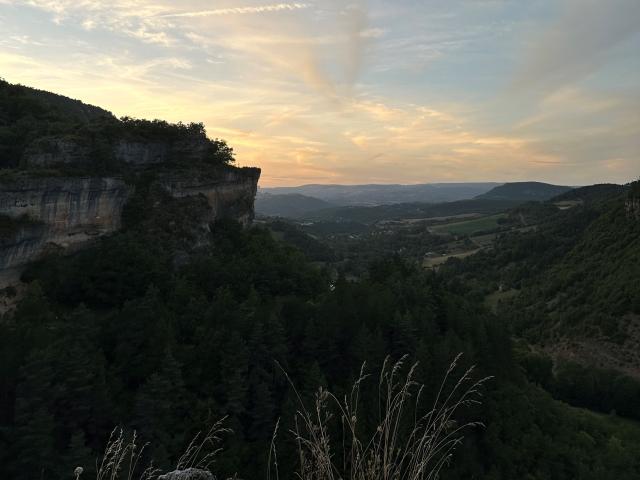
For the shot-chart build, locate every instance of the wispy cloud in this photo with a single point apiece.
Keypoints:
(278, 7)
(577, 43)
(355, 91)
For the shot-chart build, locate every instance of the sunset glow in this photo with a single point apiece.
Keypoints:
(329, 91)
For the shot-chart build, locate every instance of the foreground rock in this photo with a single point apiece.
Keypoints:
(188, 474)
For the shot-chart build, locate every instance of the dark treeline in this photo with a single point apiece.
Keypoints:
(30, 119)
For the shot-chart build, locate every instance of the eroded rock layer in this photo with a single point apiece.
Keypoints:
(44, 214)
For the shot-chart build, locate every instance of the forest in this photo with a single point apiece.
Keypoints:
(119, 335)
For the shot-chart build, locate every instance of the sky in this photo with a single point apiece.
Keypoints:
(362, 91)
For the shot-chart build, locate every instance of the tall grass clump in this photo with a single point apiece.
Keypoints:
(123, 455)
(121, 459)
(332, 443)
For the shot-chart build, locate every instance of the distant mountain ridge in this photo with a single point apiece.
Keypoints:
(378, 194)
(525, 191)
(373, 214)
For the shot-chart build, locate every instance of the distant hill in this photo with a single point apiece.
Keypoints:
(591, 193)
(291, 205)
(387, 194)
(525, 191)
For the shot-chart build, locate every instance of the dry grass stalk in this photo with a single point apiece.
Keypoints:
(404, 446)
(203, 449)
(122, 457)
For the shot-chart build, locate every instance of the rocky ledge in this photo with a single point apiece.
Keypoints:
(44, 214)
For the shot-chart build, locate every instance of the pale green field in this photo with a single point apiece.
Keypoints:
(469, 227)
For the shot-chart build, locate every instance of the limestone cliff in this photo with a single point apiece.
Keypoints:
(230, 193)
(66, 213)
(69, 169)
(57, 213)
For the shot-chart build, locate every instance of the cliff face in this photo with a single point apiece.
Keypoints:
(66, 204)
(66, 213)
(57, 213)
(230, 194)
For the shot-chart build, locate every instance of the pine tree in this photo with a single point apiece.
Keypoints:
(234, 369)
(34, 444)
(403, 335)
(34, 449)
(261, 407)
(142, 333)
(160, 411)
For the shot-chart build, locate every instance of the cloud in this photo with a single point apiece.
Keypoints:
(577, 43)
(325, 49)
(241, 10)
(304, 91)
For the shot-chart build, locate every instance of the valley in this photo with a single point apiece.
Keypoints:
(498, 257)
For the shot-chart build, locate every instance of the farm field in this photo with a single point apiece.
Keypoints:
(469, 227)
(431, 262)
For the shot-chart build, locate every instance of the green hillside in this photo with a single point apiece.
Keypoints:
(569, 288)
(591, 193)
(524, 191)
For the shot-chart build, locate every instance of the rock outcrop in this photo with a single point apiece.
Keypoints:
(188, 474)
(230, 193)
(65, 204)
(56, 213)
(45, 214)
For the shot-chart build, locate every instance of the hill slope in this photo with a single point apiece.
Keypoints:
(575, 281)
(290, 205)
(590, 193)
(524, 191)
